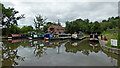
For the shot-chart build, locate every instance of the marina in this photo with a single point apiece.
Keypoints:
(59, 34)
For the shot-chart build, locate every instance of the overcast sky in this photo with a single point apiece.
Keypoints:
(68, 10)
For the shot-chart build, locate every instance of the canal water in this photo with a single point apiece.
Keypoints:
(23, 52)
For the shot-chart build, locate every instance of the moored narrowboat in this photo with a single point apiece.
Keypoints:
(93, 37)
(46, 37)
(33, 36)
(17, 36)
(60, 36)
(76, 36)
(14, 36)
(41, 35)
(64, 36)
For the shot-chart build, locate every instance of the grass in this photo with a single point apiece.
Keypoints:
(109, 44)
(111, 36)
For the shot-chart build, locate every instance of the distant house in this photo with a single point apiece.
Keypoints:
(56, 29)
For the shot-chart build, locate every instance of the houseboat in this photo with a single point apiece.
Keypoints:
(74, 36)
(46, 37)
(93, 37)
(33, 36)
(18, 36)
(25, 35)
(41, 35)
(64, 36)
(14, 36)
(60, 36)
(77, 37)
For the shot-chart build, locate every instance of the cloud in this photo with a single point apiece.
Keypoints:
(10, 4)
(61, 0)
(64, 11)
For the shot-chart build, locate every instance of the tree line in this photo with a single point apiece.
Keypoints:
(92, 27)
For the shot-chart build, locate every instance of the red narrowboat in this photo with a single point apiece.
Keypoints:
(14, 36)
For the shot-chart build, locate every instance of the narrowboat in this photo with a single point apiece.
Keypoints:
(36, 36)
(25, 35)
(60, 36)
(18, 36)
(14, 36)
(79, 36)
(33, 36)
(41, 35)
(64, 36)
(93, 37)
(76, 37)
(46, 37)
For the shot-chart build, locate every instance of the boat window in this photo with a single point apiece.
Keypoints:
(63, 35)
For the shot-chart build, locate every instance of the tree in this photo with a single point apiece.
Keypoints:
(39, 21)
(15, 29)
(68, 27)
(9, 19)
(77, 25)
(26, 29)
(96, 27)
(30, 28)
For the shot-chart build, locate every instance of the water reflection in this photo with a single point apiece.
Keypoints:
(40, 48)
(113, 56)
(9, 54)
(83, 46)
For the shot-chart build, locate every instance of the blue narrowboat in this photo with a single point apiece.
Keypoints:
(60, 36)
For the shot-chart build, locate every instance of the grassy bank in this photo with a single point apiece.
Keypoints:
(110, 36)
